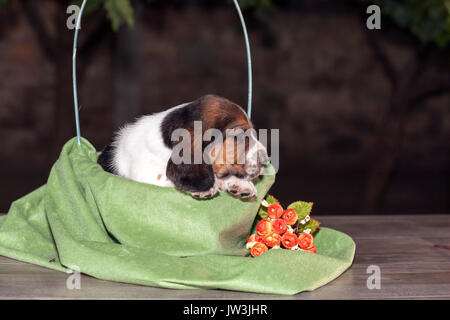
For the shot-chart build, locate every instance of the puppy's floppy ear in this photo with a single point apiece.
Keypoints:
(191, 177)
(186, 173)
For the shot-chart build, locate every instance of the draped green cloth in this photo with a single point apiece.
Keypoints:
(117, 229)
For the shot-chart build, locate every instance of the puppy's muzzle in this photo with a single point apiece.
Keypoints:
(256, 164)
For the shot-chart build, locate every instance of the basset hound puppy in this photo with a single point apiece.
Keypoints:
(215, 128)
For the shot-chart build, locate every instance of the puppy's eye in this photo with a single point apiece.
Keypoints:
(223, 175)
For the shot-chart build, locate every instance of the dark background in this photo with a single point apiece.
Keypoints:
(364, 116)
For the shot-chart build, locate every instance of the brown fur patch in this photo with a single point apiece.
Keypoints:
(222, 114)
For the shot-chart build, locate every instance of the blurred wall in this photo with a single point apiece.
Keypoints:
(316, 79)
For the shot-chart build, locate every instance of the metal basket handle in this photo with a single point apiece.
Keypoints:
(74, 67)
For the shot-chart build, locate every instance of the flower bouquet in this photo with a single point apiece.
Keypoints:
(290, 229)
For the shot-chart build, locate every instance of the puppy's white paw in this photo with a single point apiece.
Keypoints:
(206, 194)
(237, 187)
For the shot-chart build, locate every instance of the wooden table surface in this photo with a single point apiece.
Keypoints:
(403, 247)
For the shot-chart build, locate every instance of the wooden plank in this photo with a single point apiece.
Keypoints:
(5, 260)
(402, 246)
(389, 226)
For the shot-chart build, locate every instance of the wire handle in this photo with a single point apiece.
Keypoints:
(74, 67)
(74, 73)
(249, 60)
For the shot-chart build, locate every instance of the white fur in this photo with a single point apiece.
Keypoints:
(140, 152)
(252, 158)
(237, 186)
(256, 147)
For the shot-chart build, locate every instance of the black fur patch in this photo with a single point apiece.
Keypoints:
(183, 117)
(106, 159)
(191, 177)
(186, 177)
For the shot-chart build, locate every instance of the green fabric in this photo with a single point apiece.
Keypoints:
(121, 230)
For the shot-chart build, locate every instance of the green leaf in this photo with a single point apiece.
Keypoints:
(119, 12)
(312, 224)
(302, 208)
(262, 212)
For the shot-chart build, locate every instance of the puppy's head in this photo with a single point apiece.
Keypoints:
(227, 139)
(238, 153)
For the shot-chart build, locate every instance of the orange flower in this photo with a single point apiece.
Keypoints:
(258, 249)
(274, 211)
(305, 241)
(264, 227)
(279, 226)
(289, 240)
(272, 240)
(312, 249)
(255, 238)
(290, 216)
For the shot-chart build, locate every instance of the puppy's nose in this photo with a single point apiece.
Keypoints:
(263, 157)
